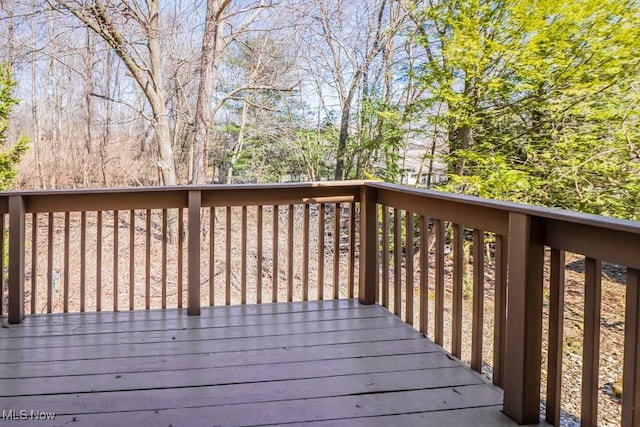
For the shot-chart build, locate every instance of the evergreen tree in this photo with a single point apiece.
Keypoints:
(10, 158)
(539, 100)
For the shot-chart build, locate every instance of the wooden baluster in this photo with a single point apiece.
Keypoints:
(556, 340)
(2, 266)
(631, 369)
(243, 272)
(352, 248)
(305, 254)
(458, 276)
(274, 285)
(50, 263)
(591, 344)
(164, 258)
(336, 251)
(424, 275)
(397, 263)
(477, 325)
(290, 253)
(439, 285)
(385, 256)
(116, 253)
(259, 250)
(34, 260)
(227, 268)
(83, 264)
(132, 258)
(321, 226)
(99, 261)
(65, 301)
(409, 269)
(500, 311)
(147, 264)
(180, 256)
(212, 255)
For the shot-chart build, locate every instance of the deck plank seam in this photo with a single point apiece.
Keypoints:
(51, 333)
(217, 352)
(409, 389)
(191, 340)
(171, 341)
(29, 320)
(119, 372)
(194, 328)
(382, 415)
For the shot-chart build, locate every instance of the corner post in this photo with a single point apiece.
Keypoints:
(631, 366)
(17, 211)
(193, 253)
(368, 276)
(524, 319)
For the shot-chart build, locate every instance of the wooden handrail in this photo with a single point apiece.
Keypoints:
(18, 204)
(496, 205)
(520, 232)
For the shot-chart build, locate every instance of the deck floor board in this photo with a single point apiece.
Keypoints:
(328, 363)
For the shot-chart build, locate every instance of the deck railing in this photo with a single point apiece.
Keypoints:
(156, 248)
(406, 249)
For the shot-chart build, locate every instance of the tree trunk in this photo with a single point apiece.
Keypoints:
(463, 141)
(106, 133)
(160, 119)
(211, 45)
(147, 75)
(37, 131)
(165, 150)
(342, 141)
(88, 135)
(10, 31)
(239, 144)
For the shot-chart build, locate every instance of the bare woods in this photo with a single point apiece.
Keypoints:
(147, 93)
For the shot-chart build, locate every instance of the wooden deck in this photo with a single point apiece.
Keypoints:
(323, 363)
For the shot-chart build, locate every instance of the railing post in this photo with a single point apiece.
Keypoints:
(631, 366)
(524, 319)
(368, 246)
(16, 258)
(193, 253)
(500, 314)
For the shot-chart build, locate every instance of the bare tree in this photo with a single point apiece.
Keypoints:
(88, 84)
(348, 52)
(212, 44)
(10, 45)
(163, 81)
(109, 21)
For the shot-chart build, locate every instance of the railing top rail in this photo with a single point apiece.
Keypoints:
(177, 196)
(559, 214)
(607, 223)
(172, 188)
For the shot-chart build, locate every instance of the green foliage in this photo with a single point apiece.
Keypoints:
(377, 148)
(541, 100)
(267, 161)
(8, 161)
(11, 157)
